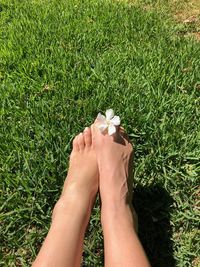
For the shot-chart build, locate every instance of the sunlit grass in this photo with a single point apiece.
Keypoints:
(61, 62)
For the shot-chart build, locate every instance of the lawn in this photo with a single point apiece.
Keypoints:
(61, 62)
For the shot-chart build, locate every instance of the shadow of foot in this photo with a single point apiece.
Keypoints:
(152, 205)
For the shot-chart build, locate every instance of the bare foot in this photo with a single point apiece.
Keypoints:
(82, 178)
(114, 154)
(114, 157)
(64, 242)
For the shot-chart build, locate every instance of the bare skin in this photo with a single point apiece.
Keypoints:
(80, 177)
(97, 161)
(121, 244)
(64, 242)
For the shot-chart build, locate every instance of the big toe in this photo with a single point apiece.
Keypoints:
(87, 137)
(95, 130)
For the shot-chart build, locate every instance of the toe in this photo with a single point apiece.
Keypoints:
(75, 144)
(81, 142)
(87, 137)
(95, 130)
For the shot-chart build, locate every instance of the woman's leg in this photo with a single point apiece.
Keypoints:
(121, 244)
(63, 244)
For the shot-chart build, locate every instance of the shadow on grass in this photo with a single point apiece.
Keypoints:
(152, 205)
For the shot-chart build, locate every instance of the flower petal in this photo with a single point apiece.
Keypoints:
(102, 127)
(109, 114)
(115, 120)
(101, 117)
(111, 129)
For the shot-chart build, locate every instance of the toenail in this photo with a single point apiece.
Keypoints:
(86, 128)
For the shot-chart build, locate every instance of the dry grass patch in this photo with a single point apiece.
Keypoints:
(187, 13)
(196, 262)
(184, 12)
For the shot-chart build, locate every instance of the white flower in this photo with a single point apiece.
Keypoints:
(108, 122)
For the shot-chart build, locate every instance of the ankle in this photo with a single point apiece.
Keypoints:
(118, 212)
(114, 210)
(70, 202)
(118, 197)
(77, 190)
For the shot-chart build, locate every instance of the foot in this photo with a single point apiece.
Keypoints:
(114, 157)
(82, 178)
(64, 243)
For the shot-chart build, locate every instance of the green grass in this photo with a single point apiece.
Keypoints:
(61, 62)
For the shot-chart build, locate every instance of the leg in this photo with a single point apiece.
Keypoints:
(63, 244)
(121, 243)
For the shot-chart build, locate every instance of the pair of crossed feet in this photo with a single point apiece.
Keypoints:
(100, 162)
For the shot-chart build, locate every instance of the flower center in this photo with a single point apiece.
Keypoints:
(108, 122)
